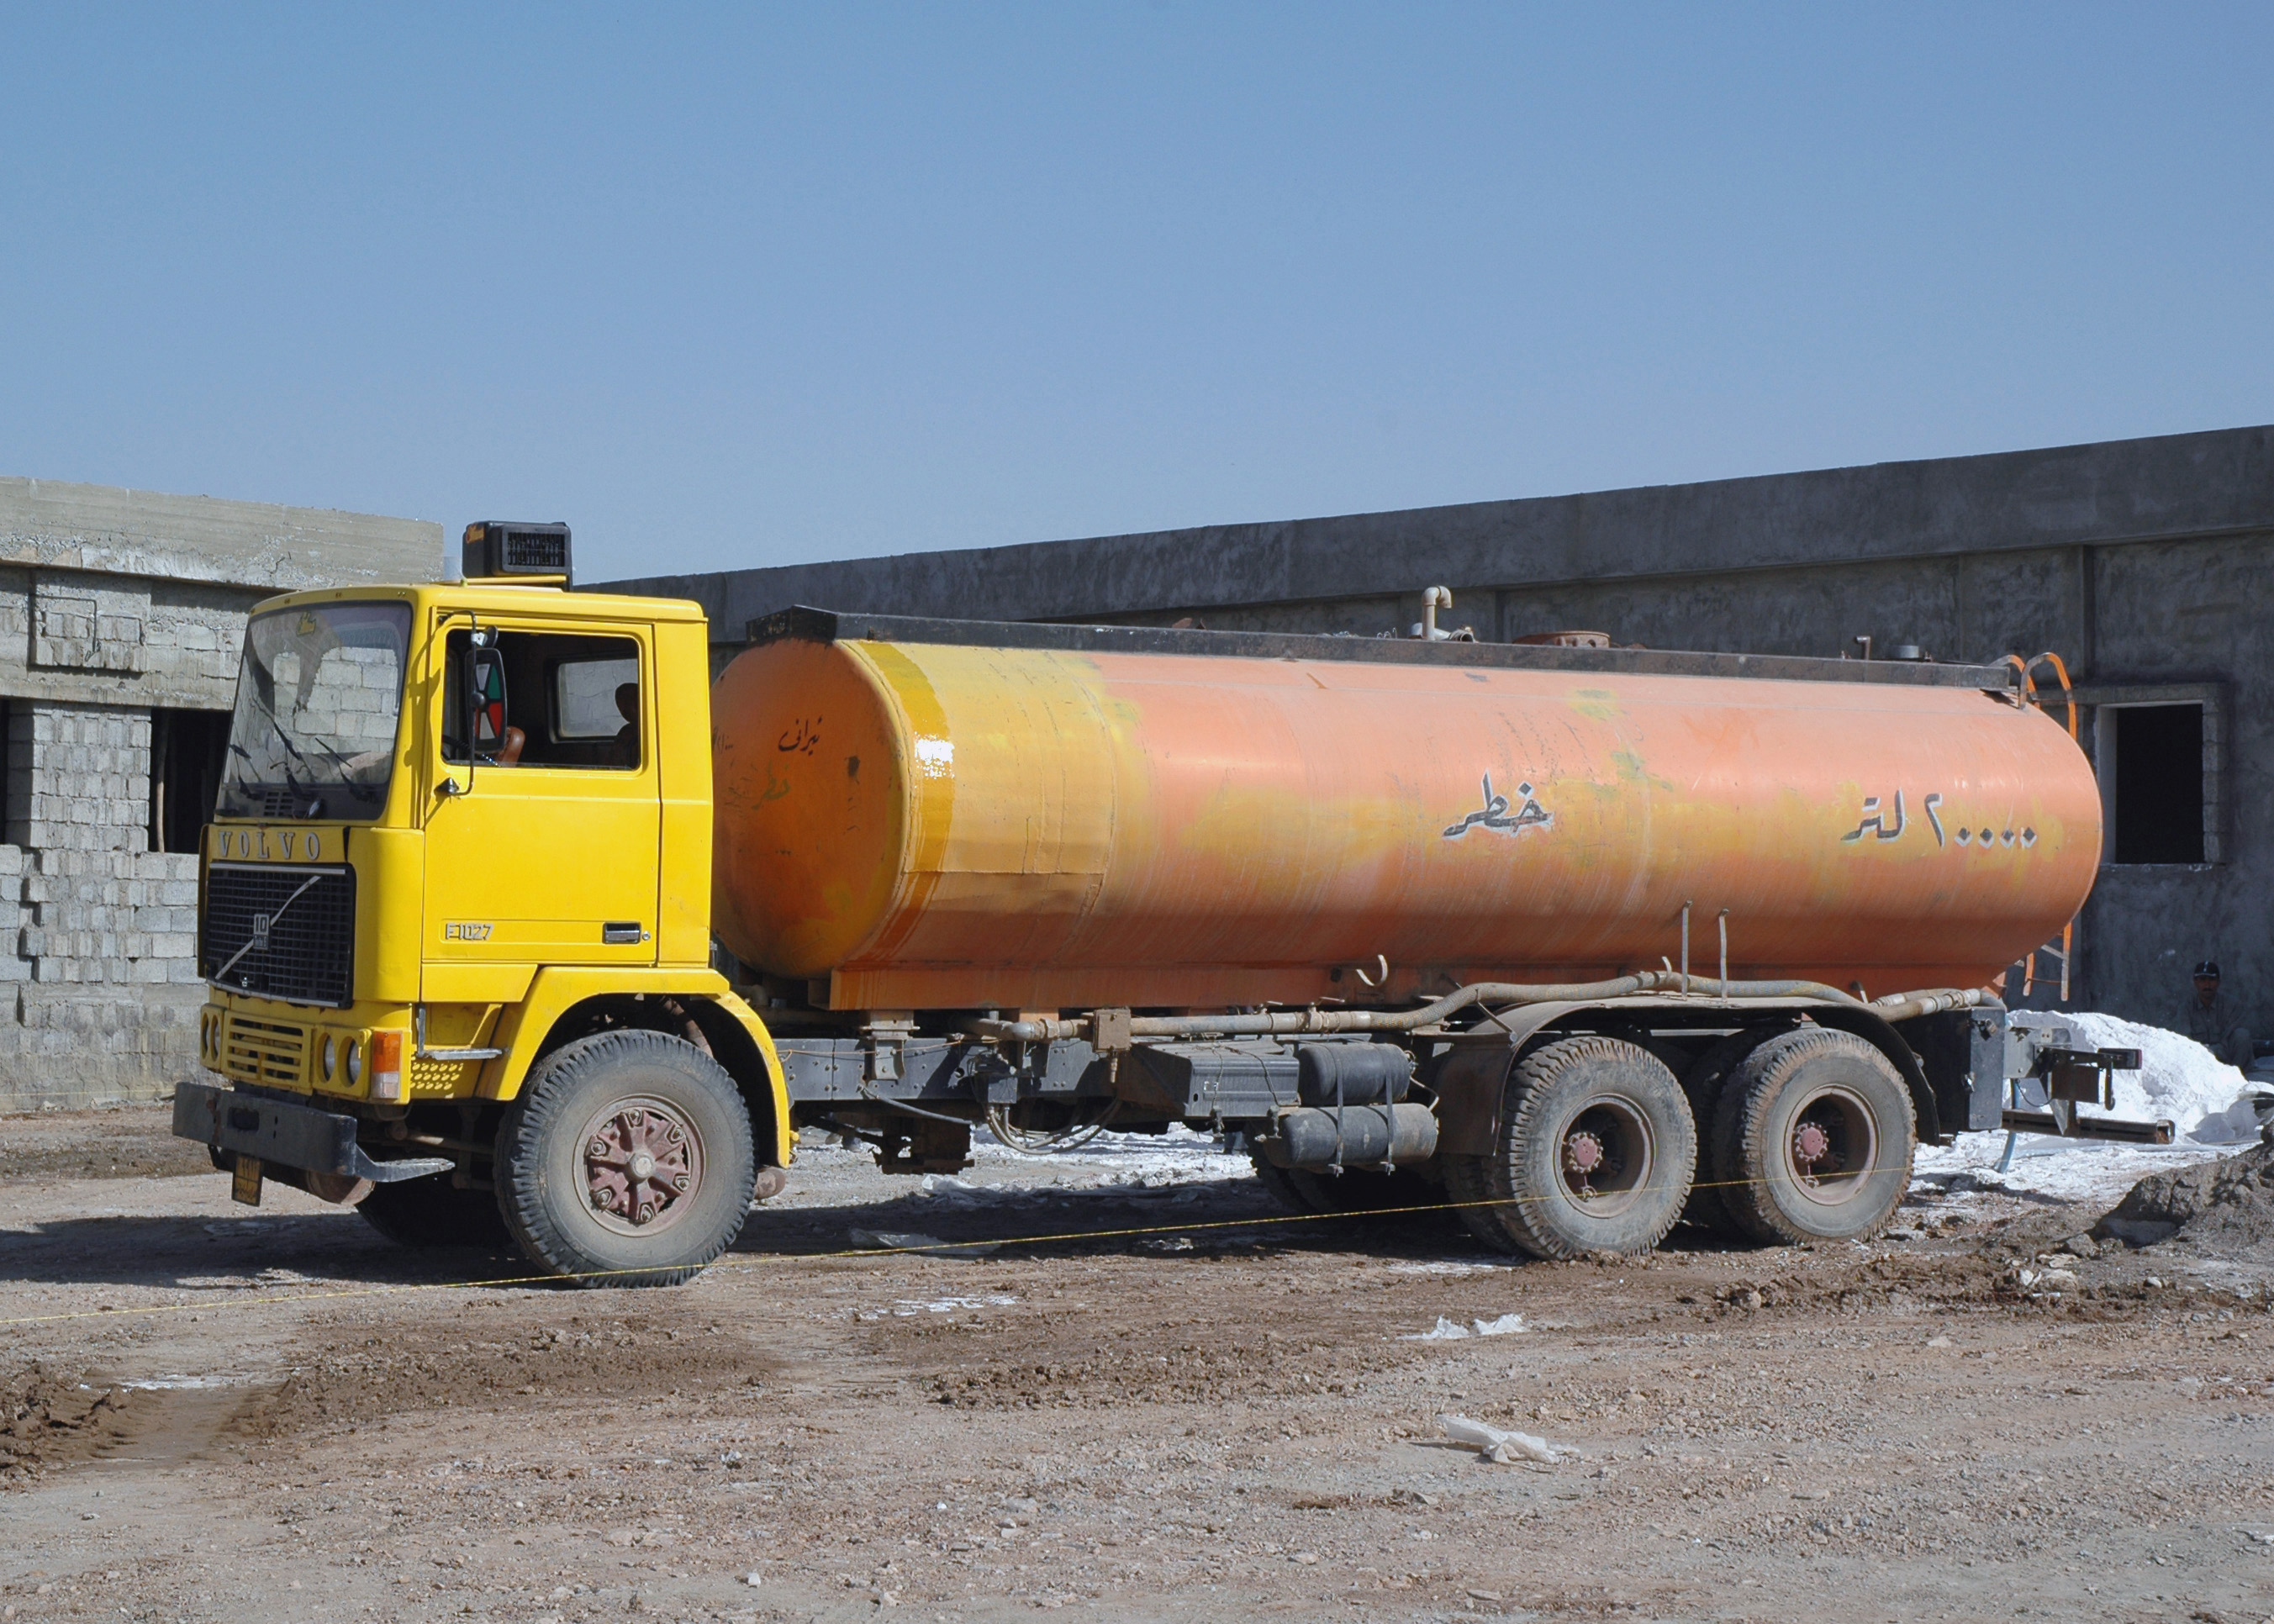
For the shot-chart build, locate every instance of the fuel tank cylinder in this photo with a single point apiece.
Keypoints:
(921, 825)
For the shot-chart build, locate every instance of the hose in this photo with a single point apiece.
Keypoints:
(1020, 1142)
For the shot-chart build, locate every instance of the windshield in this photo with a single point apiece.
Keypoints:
(317, 703)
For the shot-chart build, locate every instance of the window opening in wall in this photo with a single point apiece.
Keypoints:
(188, 750)
(16, 807)
(2155, 802)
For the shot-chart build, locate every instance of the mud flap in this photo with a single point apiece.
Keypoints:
(1470, 1084)
(1471, 1081)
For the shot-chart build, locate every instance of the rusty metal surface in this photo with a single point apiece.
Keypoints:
(934, 824)
(2124, 1129)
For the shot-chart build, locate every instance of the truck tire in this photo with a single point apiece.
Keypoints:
(1365, 1190)
(1468, 1189)
(1814, 1138)
(425, 1213)
(627, 1160)
(1359, 1190)
(1595, 1152)
(1702, 1081)
(1278, 1184)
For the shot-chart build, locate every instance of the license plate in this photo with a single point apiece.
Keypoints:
(244, 1184)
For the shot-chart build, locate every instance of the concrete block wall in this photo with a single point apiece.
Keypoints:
(78, 778)
(113, 604)
(99, 988)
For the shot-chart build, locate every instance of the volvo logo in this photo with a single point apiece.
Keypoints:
(256, 843)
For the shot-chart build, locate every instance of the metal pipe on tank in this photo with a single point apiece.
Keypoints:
(1294, 1023)
(1685, 949)
(1436, 598)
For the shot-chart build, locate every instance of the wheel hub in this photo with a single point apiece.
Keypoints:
(1832, 1144)
(1604, 1155)
(642, 1165)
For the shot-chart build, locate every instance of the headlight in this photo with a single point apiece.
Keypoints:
(355, 1063)
(331, 1056)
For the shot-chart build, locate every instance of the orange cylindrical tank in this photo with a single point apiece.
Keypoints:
(937, 825)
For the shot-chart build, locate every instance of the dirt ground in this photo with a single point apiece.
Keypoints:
(1189, 1412)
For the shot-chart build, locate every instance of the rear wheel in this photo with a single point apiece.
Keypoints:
(1594, 1154)
(1814, 1138)
(627, 1160)
(432, 1212)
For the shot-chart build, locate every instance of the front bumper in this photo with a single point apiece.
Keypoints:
(279, 1133)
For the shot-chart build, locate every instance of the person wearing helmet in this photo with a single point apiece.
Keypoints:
(2208, 1017)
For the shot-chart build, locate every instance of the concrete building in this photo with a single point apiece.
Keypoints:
(2141, 562)
(121, 616)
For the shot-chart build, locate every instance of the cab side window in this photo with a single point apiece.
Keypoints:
(571, 700)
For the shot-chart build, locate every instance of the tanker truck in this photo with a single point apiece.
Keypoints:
(517, 923)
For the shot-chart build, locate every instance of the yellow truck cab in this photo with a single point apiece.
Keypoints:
(453, 914)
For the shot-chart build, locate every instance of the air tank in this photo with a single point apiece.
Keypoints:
(942, 822)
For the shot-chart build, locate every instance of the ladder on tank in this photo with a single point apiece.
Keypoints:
(2062, 949)
(2066, 953)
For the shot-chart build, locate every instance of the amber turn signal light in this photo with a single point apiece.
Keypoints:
(387, 1065)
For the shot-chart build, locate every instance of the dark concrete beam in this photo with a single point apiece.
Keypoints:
(2216, 483)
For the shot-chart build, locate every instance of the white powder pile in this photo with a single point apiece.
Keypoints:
(2179, 1080)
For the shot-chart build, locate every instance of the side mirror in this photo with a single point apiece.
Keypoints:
(485, 697)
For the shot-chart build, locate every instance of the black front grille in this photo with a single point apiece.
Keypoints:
(300, 923)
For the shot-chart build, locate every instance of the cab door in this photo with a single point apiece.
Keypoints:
(548, 851)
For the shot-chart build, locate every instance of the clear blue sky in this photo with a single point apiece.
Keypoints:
(744, 285)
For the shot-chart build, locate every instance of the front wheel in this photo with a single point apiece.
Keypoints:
(627, 1160)
(426, 1212)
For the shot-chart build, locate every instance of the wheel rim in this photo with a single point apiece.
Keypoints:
(643, 1165)
(1604, 1156)
(1832, 1146)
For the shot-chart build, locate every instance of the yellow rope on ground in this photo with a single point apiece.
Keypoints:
(850, 1252)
